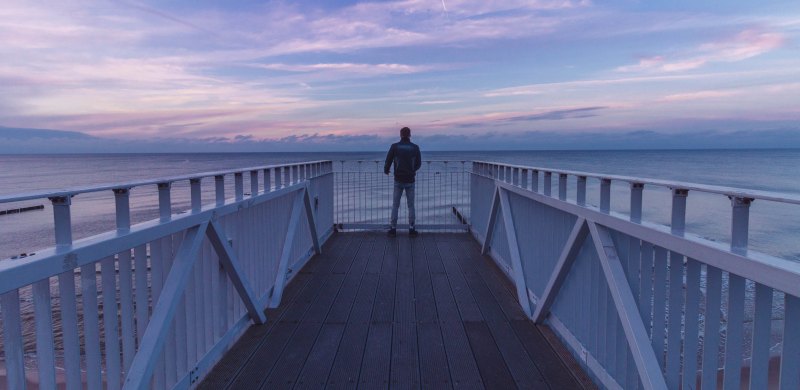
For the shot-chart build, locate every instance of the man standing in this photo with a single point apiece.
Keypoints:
(407, 160)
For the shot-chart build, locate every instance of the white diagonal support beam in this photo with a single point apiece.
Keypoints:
(288, 242)
(516, 258)
(635, 333)
(311, 218)
(157, 329)
(571, 249)
(235, 272)
(487, 238)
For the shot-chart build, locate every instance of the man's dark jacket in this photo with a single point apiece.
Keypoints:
(406, 158)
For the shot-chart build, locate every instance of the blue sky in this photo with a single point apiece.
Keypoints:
(499, 71)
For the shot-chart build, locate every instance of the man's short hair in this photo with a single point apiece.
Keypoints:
(405, 132)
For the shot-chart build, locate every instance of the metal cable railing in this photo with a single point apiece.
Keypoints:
(363, 196)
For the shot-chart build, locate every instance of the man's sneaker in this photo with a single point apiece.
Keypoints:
(392, 232)
(412, 232)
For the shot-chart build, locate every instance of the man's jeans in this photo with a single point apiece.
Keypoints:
(398, 192)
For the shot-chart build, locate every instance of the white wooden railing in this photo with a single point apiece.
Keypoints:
(641, 304)
(172, 294)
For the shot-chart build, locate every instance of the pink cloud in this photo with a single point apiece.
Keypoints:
(742, 46)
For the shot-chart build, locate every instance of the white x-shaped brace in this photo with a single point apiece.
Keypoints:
(635, 332)
(155, 334)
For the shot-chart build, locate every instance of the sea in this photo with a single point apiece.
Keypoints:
(774, 227)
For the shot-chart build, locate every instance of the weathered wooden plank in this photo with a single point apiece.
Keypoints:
(463, 368)
(347, 364)
(318, 364)
(405, 358)
(491, 364)
(375, 369)
(434, 372)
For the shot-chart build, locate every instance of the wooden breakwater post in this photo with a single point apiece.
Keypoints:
(22, 209)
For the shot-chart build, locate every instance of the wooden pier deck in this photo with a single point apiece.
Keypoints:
(380, 312)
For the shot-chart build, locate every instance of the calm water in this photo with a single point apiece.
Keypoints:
(774, 227)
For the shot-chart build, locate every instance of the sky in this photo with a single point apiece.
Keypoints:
(340, 74)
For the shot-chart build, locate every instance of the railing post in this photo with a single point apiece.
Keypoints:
(267, 180)
(678, 224)
(515, 176)
(295, 174)
(636, 202)
(62, 217)
(524, 181)
(740, 224)
(278, 178)
(548, 183)
(605, 195)
(287, 180)
(196, 193)
(219, 189)
(238, 185)
(253, 183)
(581, 195)
(562, 186)
(164, 201)
(535, 180)
(123, 208)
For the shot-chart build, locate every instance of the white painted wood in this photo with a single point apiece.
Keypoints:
(646, 362)
(158, 271)
(142, 293)
(780, 274)
(110, 328)
(288, 242)
(659, 302)
(674, 336)
(493, 212)
(126, 309)
(69, 329)
(690, 342)
(91, 326)
(44, 334)
(132, 184)
(311, 219)
(762, 324)
(235, 272)
(734, 336)
(164, 312)
(711, 335)
(516, 259)
(568, 254)
(790, 358)
(12, 340)
(711, 189)
(50, 262)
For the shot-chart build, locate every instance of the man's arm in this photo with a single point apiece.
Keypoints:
(418, 160)
(389, 160)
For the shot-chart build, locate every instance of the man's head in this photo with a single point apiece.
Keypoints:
(405, 133)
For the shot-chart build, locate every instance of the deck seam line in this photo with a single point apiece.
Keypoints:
(352, 305)
(305, 312)
(275, 322)
(436, 307)
(461, 319)
(327, 313)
